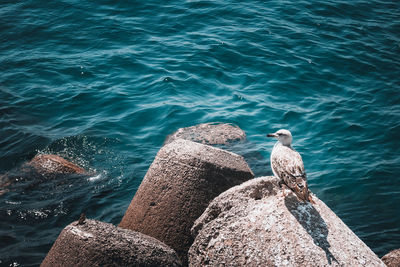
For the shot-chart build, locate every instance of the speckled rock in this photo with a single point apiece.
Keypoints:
(392, 259)
(212, 133)
(95, 243)
(184, 177)
(254, 224)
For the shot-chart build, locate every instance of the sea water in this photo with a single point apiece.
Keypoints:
(102, 84)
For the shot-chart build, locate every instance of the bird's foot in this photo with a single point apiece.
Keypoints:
(310, 199)
(283, 192)
(284, 187)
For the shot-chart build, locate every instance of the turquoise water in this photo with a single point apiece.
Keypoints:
(103, 85)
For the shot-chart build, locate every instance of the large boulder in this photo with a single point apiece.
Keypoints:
(392, 259)
(259, 224)
(227, 136)
(94, 243)
(183, 178)
(213, 133)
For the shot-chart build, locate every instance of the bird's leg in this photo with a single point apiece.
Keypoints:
(310, 198)
(283, 186)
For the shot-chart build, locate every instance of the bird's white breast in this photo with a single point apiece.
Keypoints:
(284, 158)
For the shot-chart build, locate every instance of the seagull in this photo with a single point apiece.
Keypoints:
(287, 165)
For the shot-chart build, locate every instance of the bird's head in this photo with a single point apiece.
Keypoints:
(283, 136)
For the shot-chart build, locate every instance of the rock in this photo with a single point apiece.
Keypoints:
(183, 178)
(51, 165)
(42, 167)
(392, 259)
(212, 133)
(95, 243)
(253, 224)
(4, 183)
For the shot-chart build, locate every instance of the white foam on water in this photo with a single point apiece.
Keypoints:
(94, 178)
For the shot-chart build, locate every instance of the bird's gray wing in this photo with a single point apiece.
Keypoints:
(289, 166)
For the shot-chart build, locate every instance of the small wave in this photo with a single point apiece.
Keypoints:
(103, 85)
(95, 178)
(13, 202)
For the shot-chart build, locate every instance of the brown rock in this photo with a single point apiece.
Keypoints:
(253, 224)
(392, 259)
(50, 165)
(41, 167)
(4, 183)
(184, 177)
(213, 133)
(95, 243)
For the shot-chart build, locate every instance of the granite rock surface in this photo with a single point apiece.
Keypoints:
(183, 178)
(213, 133)
(94, 243)
(392, 259)
(259, 224)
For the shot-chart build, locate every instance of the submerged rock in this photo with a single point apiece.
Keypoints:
(41, 167)
(5, 181)
(183, 178)
(94, 243)
(51, 165)
(253, 224)
(213, 133)
(392, 259)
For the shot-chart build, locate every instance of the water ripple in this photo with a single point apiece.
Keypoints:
(103, 84)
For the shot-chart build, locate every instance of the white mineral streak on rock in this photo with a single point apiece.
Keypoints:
(79, 232)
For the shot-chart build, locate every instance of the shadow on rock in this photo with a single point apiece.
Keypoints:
(312, 222)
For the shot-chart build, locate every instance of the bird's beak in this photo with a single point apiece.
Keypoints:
(271, 135)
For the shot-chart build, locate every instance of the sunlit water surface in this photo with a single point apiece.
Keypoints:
(103, 84)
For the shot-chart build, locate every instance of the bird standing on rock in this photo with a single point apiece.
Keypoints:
(287, 165)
